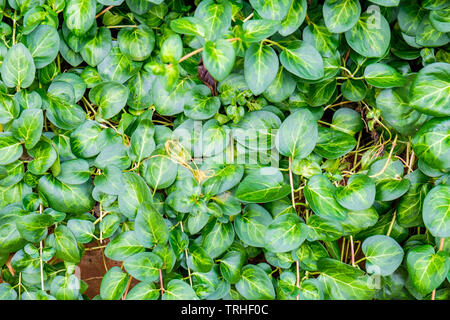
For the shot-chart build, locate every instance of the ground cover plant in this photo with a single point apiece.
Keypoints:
(229, 149)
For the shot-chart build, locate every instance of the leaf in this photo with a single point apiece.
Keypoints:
(142, 142)
(341, 16)
(66, 197)
(117, 67)
(44, 156)
(251, 225)
(428, 36)
(410, 14)
(143, 291)
(285, 233)
(179, 290)
(65, 245)
(431, 142)
(294, 18)
(281, 88)
(43, 44)
(332, 144)
(144, 266)
(110, 181)
(18, 69)
(263, 185)
(343, 282)
(272, 10)
(136, 43)
(297, 135)
(97, 48)
(258, 30)
(384, 255)
(7, 292)
(260, 67)
(113, 284)
(231, 264)
(150, 227)
(382, 75)
(436, 214)
(199, 260)
(28, 127)
(33, 227)
(255, 284)
(74, 171)
(79, 16)
(430, 90)
(440, 19)
(426, 268)
(217, 237)
(319, 193)
(367, 37)
(358, 194)
(189, 25)
(216, 16)
(303, 60)
(123, 246)
(83, 230)
(135, 193)
(354, 90)
(218, 58)
(110, 97)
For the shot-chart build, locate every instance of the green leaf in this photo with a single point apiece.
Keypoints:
(285, 233)
(297, 135)
(87, 139)
(294, 18)
(199, 260)
(431, 143)
(110, 97)
(386, 3)
(332, 144)
(368, 38)
(216, 15)
(381, 75)
(281, 88)
(383, 254)
(110, 181)
(255, 284)
(10, 148)
(150, 227)
(303, 60)
(436, 213)
(18, 69)
(65, 244)
(426, 268)
(430, 90)
(354, 90)
(142, 142)
(33, 227)
(114, 284)
(43, 44)
(251, 225)
(343, 282)
(410, 14)
(74, 171)
(66, 197)
(28, 127)
(189, 25)
(117, 67)
(258, 30)
(231, 264)
(135, 193)
(7, 292)
(322, 229)
(319, 193)
(272, 10)
(260, 67)
(217, 237)
(143, 291)
(97, 48)
(358, 194)
(44, 156)
(440, 19)
(179, 290)
(123, 246)
(79, 16)
(341, 16)
(428, 36)
(136, 43)
(218, 58)
(144, 266)
(262, 185)
(83, 230)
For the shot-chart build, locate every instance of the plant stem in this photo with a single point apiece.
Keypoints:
(14, 28)
(104, 11)
(297, 265)
(441, 246)
(161, 281)
(186, 253)
(41, 265)
(352, 250)
(392, 224)
(291, 182)
(249, 17)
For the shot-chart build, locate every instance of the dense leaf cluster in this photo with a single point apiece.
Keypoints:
(225, 149)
